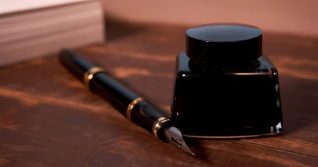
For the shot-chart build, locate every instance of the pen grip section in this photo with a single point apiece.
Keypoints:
(147, 115)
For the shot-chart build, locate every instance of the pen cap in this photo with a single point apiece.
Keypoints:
(223, 43)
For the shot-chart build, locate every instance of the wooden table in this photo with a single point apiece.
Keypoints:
(49, 118)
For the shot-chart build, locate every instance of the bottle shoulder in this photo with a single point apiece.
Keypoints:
(262, 66)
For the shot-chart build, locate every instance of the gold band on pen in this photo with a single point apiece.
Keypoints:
(89, 75)
(158, 124)
(131, 107)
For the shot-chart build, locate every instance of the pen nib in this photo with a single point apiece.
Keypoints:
(174, 137)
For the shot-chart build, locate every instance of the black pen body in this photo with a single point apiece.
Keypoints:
(143, 113)
(75, 63)
(123, 99)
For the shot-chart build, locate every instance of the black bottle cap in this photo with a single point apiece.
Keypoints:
(224, 43)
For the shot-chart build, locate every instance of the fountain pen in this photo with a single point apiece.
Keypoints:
(134, 107)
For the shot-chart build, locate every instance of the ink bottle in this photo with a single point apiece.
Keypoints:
(225, 87)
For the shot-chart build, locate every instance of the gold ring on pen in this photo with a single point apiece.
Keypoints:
(89, 75)
(131, 107)
(158, 124)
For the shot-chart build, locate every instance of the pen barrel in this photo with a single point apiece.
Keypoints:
(128, 103)
(123, 99)
(111, 90)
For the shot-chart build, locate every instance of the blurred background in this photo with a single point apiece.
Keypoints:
(282, 16)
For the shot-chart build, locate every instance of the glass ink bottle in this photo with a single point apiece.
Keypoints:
(225, 87)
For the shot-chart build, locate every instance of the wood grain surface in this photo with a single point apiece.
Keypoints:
(49, 118)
